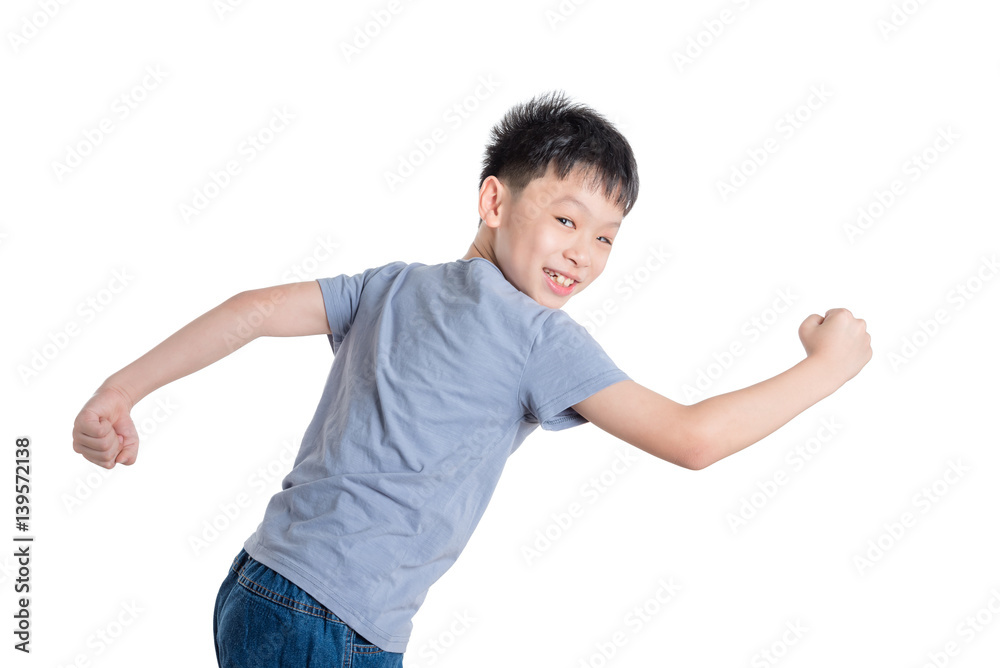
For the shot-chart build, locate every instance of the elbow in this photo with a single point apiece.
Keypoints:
(699, 458)
(689, 453)
(247, 325)
(252, 310)
(701, 452)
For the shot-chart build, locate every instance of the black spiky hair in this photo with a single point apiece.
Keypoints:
(550, 128)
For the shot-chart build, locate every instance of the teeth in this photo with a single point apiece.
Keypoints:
(560, 279)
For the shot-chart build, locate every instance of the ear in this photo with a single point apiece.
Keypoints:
(492, 196)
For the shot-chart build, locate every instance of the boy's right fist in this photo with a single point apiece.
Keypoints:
(839, 339)
(104, 432)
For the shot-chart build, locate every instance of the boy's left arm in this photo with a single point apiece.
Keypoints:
(837, 347)
(103, 431)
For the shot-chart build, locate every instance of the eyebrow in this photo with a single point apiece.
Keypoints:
(573, 200)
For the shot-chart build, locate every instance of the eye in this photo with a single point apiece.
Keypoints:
(606, 239)
(567, 220)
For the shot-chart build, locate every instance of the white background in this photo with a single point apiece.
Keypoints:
(110, 542)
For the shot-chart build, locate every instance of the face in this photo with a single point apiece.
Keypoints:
(555, 227)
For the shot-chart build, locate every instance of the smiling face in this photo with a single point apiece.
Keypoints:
(556, 232)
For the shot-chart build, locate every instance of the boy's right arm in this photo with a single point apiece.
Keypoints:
(104, 433)
(837, 347)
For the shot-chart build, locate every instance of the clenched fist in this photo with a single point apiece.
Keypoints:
(839, 339)
(103, 432)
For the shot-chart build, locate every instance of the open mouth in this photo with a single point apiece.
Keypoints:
(561, 284)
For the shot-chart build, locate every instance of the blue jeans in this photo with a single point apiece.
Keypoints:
(263, 620)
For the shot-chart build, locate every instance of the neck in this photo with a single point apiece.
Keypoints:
(480, 249)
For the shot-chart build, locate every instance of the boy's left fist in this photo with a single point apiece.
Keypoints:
(103, 432)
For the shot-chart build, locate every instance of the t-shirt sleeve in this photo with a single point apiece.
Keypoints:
(565, 365)
(341, 296)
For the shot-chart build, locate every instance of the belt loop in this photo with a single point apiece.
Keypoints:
(240, 560)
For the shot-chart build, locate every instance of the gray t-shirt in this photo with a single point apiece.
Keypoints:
(439, 373)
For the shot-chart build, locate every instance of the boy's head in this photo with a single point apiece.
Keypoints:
(557, 180)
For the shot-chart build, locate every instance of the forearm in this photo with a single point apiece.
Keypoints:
(205, 340)
(735, 420)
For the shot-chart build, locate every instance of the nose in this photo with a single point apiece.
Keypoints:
(578, 254)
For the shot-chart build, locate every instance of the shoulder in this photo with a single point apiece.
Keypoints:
(392, 268)
(559, 339)
(385, 273)
(559, 323)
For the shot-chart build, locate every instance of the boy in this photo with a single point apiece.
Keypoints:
(439, 374)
